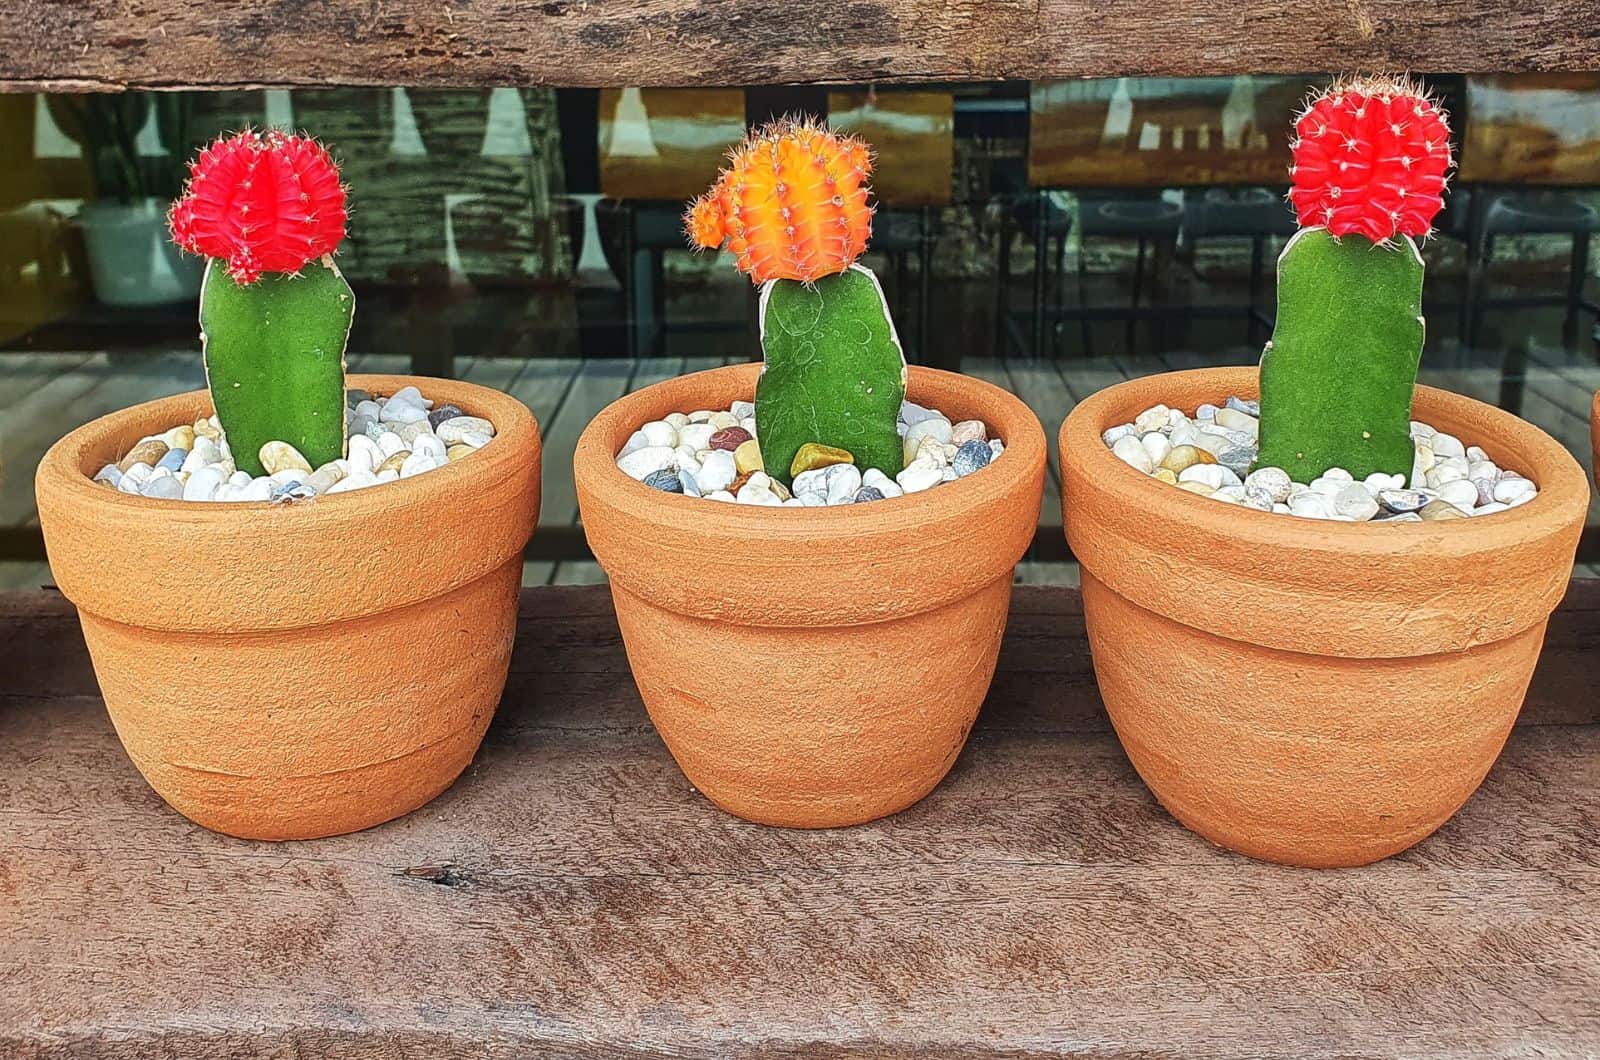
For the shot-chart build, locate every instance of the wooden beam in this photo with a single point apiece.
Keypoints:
(572, 896)
(110, 45)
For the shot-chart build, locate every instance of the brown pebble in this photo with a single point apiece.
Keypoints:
(729, 438)
(150, 451)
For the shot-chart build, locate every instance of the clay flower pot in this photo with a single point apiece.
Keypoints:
(1309, 692)
(813, 667)
(298, 670)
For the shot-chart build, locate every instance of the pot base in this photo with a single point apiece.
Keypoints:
(287, 735)
(816, 727)
(1254, 749)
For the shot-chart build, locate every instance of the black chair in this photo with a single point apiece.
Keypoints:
(1509, 213)
(1256, 214)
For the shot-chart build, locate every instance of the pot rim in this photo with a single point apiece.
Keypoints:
(1563, 488)
(280, 566)
(719, 561)
(594, 465)
(1315, 586)
(62, 466)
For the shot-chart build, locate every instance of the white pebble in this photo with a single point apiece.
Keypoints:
(1112, 434)
(1151, 419)
(1131, 451)
(920, 475)
(696, 436)
(402, 412)
(635, 442)
(938, 428)
(417, 463)
(432, 446)
(356, 479)
(1355, 503)
(882, 483)
(742, 410)
(642, 462)
(1461, 493)
(456, 430)
(1213, 475)
(1444, 444)
(842, 482)
(1156, 444)
(364, 454)
(389, 443)
(1513, 491)
(657, 433)
(717, 472)
(259, 489)
(1274, 481)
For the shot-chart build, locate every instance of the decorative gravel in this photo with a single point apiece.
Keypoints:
(715, 455)
(388, 439)
(1212, 454)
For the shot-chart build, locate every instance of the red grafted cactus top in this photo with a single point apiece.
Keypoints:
(261, 202)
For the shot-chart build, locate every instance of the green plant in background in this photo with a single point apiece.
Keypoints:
(792, 207)
(1370, 163)
(107, 127)
(268, 210)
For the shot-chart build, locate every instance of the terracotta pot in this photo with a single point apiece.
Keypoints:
(293, 671)
(1309, 692)
(813, 667)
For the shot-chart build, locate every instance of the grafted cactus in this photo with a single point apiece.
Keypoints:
(1370, 163)
(792, 208)
(268, 210)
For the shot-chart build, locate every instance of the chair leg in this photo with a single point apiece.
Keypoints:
(1575, 282)
(1085, 325)
(1133, 302)
(1036, 335)
(924, 282)
(1258, 254)
(1477, 269)
(1059, 298)
(1002, 280)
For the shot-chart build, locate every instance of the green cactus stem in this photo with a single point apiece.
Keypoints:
(274, 355)
(834, 375)
(1338, 375)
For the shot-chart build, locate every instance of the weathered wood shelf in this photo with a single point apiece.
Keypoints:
(572, 897)
(106, 45)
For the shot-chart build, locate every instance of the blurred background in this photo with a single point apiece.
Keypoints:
(1051, 237)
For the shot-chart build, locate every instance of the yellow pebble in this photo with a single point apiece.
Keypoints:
(278, 456)
(1205, 457)
(150, 451)
(395, 460)
(1197, 487)
(747, 458)
(1181, 457)
(813, 455)
(1166, 475)
(180, 438)
(456, 452)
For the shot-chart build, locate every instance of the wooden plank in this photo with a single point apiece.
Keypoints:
(72, 399)
(109, 45)
(1532, 130)
(600, 382)
(572, 896)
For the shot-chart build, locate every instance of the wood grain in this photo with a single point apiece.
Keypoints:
(571, 897)
(111, 44)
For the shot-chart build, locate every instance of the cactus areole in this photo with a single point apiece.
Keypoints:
(268, 211)
(791, 206)
(1371, 158)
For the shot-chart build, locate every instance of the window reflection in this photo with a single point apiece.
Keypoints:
(1052, 237)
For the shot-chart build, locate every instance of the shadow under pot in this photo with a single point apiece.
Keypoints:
(813, 667)
(298, 670)
(1302, 691)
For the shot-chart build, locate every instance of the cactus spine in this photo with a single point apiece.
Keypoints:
(1370, 162)
(274, 357)
(792, 208)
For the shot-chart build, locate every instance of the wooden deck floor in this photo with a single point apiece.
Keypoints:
(42, 395)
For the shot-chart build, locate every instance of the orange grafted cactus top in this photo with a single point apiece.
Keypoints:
(791, 204)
